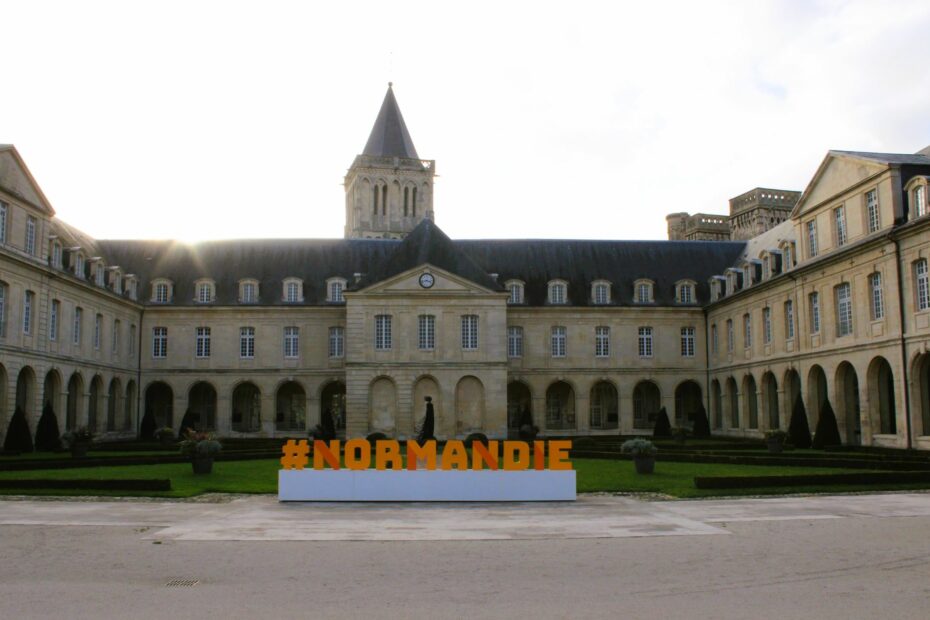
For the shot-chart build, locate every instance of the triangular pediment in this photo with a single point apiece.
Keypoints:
(16, 180)
(836, 174)
(426, 279)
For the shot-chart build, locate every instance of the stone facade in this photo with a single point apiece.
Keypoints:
(751, 214)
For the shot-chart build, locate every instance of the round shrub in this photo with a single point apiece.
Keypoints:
(479, 437)
(376, 436)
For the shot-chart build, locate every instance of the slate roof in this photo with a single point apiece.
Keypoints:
(888, 158)
(389, 136)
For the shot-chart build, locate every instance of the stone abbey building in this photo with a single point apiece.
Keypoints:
(823, 295)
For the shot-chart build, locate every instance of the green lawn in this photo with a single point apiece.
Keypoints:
(260, 476)
(93, 454)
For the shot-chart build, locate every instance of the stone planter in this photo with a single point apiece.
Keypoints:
(644, 464)
(775, 446)
(79, 450)
(202, 465)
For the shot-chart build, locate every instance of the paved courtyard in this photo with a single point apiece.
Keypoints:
(856, 556)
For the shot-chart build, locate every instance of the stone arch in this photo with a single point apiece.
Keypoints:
(647, 399)
(770, 408)
(94, 403)
(26, 393)
(921, 377)
(604, 406)
(816, 394)
(129, 405)
(290, 406)
(159, 407)
(382, 406)
(201, 407)
(424, 386)
(732, 403)
(848, 413)
(716, 403)
(792, 389)
(51, 392)
(519, 406)
(750, 402)
(114, 395)
(688, 399)
(246, 412)
(4, 417)
(469, 405)
(882, 397)
(560, 406)
(74, 403)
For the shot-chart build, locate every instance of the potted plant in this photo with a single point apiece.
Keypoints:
(775, 440)
(165, 436)
(201, 448)
(78, 440)
(643, 452)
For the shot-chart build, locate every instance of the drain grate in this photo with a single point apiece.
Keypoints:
(182, 583)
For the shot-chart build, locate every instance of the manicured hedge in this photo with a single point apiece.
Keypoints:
(798, 461)
(95, 485)
(750, 482)
(119, 461)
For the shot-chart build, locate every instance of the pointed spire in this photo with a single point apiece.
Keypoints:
(389, 137)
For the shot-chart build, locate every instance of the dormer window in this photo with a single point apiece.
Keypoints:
(732, 281)
(78, 262)
(558, 292)
(100, 270)
(132, 287)
(204, 291)
(515, 287)
(917, 196)
(766, 265)
(787, 257)
(643, 292)
(747, 275)
(116, 280)
(55, 257)
(600, 292)
(293, 290)
(334, 290)
(684, 292)
(248, 291)
(162, 291)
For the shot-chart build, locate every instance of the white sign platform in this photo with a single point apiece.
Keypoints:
(371, 485)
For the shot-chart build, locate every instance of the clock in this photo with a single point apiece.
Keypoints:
(427, 280)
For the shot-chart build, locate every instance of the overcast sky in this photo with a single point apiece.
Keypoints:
(204, 120)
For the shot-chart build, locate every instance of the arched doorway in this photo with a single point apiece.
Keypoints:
(816, 393)
(26, 391)
(51, 392)
(290, 405)
(4, 414)
(469, 405)
(604, 406)
(94, 402)
(382, 407)
(732, 403)
(113, 404)
(751, 403)
(519, 407)
(426, 386)
(129, 406)
(922, 377)
(560, 406)
(847, 401)
(159, 409)
(74, 401)
(646, 403)
(770, 400)
(688, 399)
(201, 407)
(246, 408)
(333, 400)
(881, 397)
(716, 403)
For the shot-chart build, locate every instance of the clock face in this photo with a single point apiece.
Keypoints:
(426, 280)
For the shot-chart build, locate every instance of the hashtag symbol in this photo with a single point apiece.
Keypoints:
(295, 454)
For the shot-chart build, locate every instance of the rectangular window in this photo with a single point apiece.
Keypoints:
(686, 294)
(687, 342)
(382, 332)
(514, 342)
(99, 274)
(714, 342)
(28, 303)
(844, 324)
(292, 292)
(248, 293)
(789, 319)
(291, 342)
(811, 239)
(98, 325)
(731, 337)
(160, 342)
(642, 293)
(3, 216)
(204, 293)
(132, 340)
(878, 302)
(114, 338)
(871, 207)
(516, 293)
(161, 293)
(645, 342)
(787, 258)
(203, 342)
(76, 326)
(920, 202)
(839, 223)
(747, 331)
(247, 342)
(336, 342)
(335, 291)
(923, 286)
(56, 255)
(815, 313)
(426, 331)
(558, 341)
(601, 294)
(602, 341)
(470, 332)
(53, 320)
(30, 235)
(767, 325)
(557, 294)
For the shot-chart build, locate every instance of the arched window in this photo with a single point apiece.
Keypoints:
(204, 291)
(515, 287)
(406, 201)
(643, 292)
(558, 292)
(334, 290)
(248, 291)
(414, 201)
(384, 199)
(684, 292)
(161, 291)
(293, 290)
(600, 292)
(374, 199)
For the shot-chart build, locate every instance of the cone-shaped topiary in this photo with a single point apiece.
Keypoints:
(799, 432)
(18, 437)
(188, 422)
(701, 423)
(48, 436)
(828, 433)
(428, 428)
(148, 427)
(663, 427)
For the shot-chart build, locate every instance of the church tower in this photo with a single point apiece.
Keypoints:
(389, 189)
